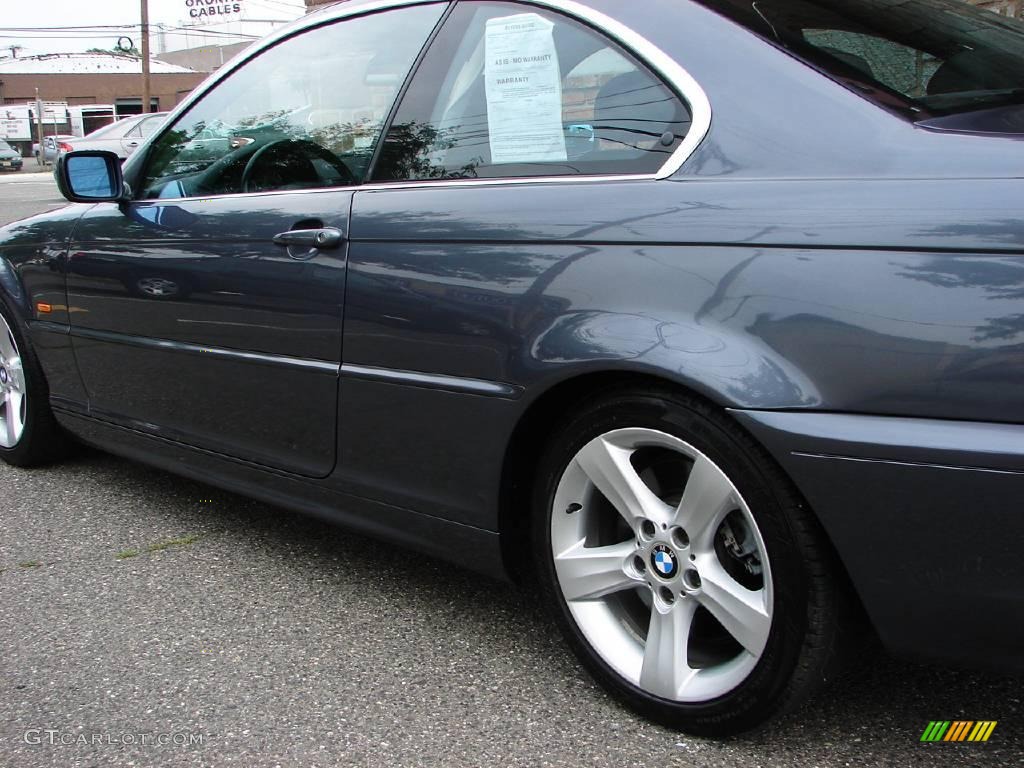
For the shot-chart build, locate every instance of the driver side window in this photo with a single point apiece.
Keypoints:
(304, 114)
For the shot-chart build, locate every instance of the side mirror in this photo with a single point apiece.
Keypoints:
(90, 177)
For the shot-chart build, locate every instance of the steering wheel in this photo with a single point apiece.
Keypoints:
(297, 149)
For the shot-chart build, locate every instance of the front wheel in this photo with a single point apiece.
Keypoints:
(29, 434)
(681, 565)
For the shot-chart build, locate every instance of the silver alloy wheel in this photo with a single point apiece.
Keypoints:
(13, 398)
(651, 541)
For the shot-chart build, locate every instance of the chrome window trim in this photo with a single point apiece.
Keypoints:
(423, 184)
(377, 186)
(648, 53)
(645, 51)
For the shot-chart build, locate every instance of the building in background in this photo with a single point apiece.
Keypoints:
(217, 30)
(206, 58)
(81, 92)
(93, 78)
(208, 34)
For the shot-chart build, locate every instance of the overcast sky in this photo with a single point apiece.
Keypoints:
(37, 14)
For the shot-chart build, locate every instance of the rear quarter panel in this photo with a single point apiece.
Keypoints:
(886, 297)
(901, 297)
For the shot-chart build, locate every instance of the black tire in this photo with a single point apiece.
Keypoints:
(809, 605)
(43, 441)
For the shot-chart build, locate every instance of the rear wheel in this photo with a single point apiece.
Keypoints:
(29, 434)
(681, 565)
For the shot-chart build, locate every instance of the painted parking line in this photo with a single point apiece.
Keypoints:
(27, 178)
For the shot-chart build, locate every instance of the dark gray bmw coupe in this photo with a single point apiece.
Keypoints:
(708, 314)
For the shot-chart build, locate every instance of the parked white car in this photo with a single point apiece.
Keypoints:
(122, 137)
(52, 148)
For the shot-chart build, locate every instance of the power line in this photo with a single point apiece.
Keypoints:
(56, 34)
(98, 30)
(84, 35)
(73, 28)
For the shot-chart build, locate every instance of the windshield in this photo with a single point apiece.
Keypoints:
(5, 147)
(923, 58)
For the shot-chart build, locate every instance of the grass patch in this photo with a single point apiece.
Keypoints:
(30, 564)
(160, 546)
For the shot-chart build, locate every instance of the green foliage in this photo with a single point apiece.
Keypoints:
(133, 51)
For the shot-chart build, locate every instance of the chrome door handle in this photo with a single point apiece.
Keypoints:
(320, 239)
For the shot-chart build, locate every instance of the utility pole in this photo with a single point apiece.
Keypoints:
(39, 128)
(145, 57)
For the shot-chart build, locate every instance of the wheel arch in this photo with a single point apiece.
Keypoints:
(12, 289)
(528, 438)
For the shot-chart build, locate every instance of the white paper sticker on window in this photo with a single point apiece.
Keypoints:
(524, 91)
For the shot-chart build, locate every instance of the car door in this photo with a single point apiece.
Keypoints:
(139, 133)
(113, 139)
(520, 130)
(208, 310)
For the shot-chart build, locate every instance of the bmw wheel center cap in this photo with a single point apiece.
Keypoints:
(664, 562)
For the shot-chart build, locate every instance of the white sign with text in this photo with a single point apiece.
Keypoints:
(524, 91)
(15, 129)
(209, 11)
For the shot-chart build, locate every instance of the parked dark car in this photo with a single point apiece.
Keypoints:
(10, 158)
(708, 314)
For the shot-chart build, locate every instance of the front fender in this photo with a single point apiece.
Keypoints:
(33, 253)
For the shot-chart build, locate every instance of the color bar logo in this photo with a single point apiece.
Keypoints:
(959, 730)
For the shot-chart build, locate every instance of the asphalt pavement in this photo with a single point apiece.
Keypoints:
(154, 621)
(27, 192)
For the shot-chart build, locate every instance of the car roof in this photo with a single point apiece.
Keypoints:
(135, 118)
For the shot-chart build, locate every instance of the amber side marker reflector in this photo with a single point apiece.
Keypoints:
(44, 309)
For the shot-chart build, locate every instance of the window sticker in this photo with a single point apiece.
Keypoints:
(524, 91)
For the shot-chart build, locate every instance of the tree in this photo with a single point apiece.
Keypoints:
(133, 51)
